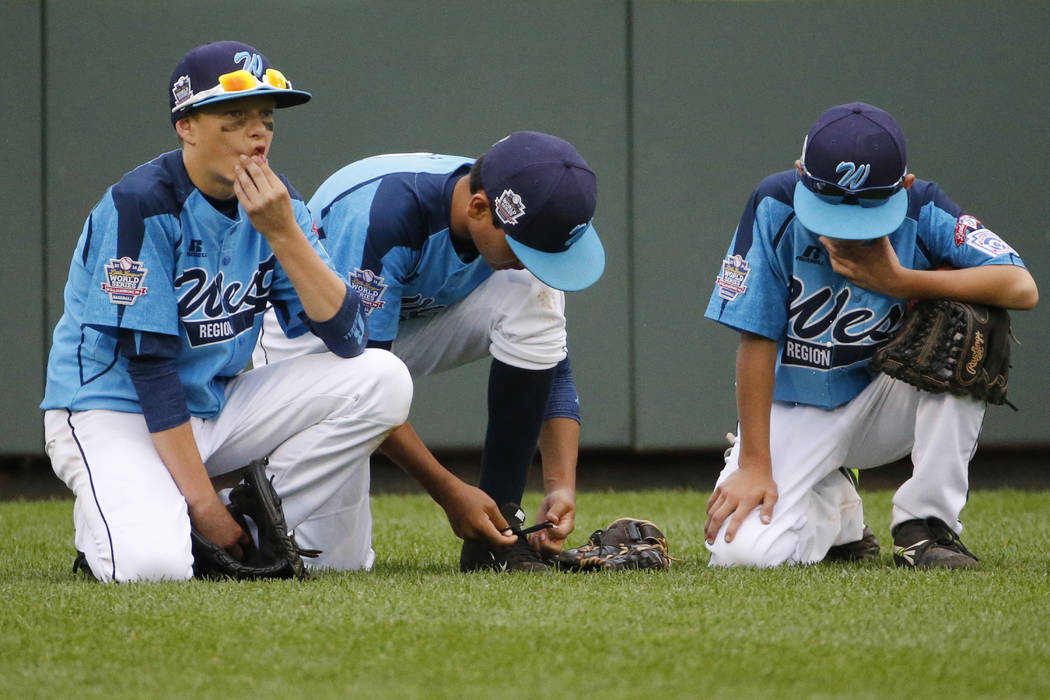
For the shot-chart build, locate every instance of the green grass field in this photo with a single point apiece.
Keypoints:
(416, 628)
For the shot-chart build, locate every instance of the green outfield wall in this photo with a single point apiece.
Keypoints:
(680, 107)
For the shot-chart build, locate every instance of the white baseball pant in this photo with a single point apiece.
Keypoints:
(318, 418)
(817, 506)
(511, 316)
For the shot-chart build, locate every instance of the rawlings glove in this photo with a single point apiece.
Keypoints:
(276, 555)
(628, 543)
(944, 345)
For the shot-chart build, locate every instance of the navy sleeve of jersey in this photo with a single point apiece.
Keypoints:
(346, 333)
(932, 211)
(563, 402)
(151, 367)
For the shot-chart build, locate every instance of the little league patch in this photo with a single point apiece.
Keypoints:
(124, 278)
(369, 286)
(989, 242)
(732, 277)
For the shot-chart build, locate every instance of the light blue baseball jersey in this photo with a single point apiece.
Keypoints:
(776, 281)
(385, 222)
(155, 257)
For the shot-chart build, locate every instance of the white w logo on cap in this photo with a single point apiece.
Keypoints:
(854, 176)
(253, 62)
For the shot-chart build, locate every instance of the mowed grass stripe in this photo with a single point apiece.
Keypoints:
(415, 627)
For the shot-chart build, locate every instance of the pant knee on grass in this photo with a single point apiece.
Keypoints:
(341, 530)
(142, 561)
(343, 536)
(754, 545)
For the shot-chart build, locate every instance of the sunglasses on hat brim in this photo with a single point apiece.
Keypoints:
(238, 81)
(833, 193)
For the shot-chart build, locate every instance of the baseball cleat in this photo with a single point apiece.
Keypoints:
(930, 544)
(520, 556)
(80, 566)
(867, 547)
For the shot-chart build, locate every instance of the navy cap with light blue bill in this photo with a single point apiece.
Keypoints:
(227, 70)
(854, 163)
(544, 195)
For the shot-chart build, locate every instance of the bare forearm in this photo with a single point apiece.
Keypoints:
(1008, 286)
(755, 366)
(471, 513)
(751, 486)
(404, 447)
(178, 450)
(559, 448)
(269, 206)
(320, 290)
(874, 265)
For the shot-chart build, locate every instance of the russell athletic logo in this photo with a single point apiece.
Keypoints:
(196, 249)
(811, 255)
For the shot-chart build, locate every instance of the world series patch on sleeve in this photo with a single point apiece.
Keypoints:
(951, 346)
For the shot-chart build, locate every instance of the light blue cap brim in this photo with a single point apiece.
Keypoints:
(286, 97)
(570, 270)
(849, 221)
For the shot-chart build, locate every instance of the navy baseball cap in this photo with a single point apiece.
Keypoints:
(543, 195)
(226, 70)
(853, 167)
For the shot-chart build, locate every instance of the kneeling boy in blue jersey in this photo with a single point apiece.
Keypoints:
(816, 277)
(145, 396)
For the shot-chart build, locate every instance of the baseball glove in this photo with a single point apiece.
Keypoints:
(944, 345)
(274, 555)
(628, 543)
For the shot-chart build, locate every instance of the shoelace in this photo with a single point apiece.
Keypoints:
(945, 536)
(522, 551)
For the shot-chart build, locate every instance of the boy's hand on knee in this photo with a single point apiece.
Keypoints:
(735, 499)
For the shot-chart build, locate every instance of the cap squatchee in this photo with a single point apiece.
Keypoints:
(853, 167)
(544, 195)
(226, 70)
